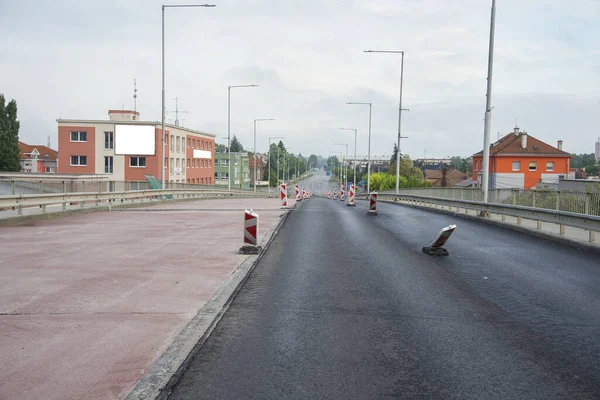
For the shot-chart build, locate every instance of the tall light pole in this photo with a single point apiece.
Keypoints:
(488, 109)
(229, 126)
(256, 120)
(163, 78)
(345, 171)
(354, 163)
(340, 164)
(369, 147)
(400, 109)
(284, 166)
(275, 137)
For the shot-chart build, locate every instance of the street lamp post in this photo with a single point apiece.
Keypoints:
(269, 185)
(258, 119)
(488, 110)
(400, 109)
(369, 146)
(163, 78)
(354, 163)
(345, 159)
(229, 125)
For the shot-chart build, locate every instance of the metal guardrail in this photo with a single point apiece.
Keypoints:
(18, 202)
(570, 201)
(590, 223)
(43, 186)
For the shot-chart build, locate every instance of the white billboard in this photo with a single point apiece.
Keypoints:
(202, 154)
(137, 140)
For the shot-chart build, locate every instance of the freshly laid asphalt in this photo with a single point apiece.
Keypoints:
(346, 306)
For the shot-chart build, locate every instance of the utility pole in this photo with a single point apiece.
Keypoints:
(488, 109)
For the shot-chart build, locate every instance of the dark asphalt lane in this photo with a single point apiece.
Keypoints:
(346, 306)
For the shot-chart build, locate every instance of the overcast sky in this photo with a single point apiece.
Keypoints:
(77, 59)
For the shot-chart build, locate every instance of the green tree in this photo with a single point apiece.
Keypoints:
(394, 154)
(236, 145)
(313, 160)
(10, 155)
(463, 164)
(582, 160)
(592, 169)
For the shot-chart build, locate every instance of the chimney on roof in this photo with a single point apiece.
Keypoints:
(516, 130)
(560, 142)
(523, 140)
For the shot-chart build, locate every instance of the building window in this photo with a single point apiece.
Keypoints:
(188, 163)
(166, 162)
(216, 175)
(78, 136)
(78, 161)
(550, 166)
(533, 165)
(189, 142)
(177, 163)
(516, 165)
(224, 163)
(216, 162)
(210, 146)
(49, 170)
(193, 143)
(109, 140)
(171, 165)
(172, 145)
(108, 164)
(138, 162)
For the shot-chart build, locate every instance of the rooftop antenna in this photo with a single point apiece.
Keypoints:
(49, 146)
(177, 112)
(134, 95)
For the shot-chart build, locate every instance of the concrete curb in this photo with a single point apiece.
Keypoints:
(168, 369)
(544, 235)
(25, 219)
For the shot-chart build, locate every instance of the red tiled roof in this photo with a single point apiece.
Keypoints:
(26, 150)
(511, 144)
(453, 176)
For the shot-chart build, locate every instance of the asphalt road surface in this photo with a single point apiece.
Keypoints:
(346, 306)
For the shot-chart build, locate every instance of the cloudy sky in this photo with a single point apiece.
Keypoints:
(77, 59)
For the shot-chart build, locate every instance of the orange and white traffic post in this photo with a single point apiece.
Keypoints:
(342, 193)
(335, 194)
(250, 233)
(298, 197)
(436, 247)
(283, 195)
(351, 202)
(372, 204)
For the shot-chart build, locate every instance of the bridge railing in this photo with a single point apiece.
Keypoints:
(588, 222)
(569, 201)
(19, 202)
(51, 186)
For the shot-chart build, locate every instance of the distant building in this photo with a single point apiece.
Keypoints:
(597, 152)
(519, 160)
(127, 148)
(38, 159)
(432, 161)
(444, 177)
(240, 171)
(261, 161)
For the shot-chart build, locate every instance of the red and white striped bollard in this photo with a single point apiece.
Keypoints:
(351, 202)
(250, 233)
(372, 204)
(283, 195)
